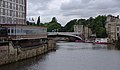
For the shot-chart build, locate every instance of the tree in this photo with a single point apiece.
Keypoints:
(54, 20)
(96, 24)
(101, 33)
(69, 27)
(38, 21)
(53, 25)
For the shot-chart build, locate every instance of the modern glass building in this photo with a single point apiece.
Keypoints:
(13, 12)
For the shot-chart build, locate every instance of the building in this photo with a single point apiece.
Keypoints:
(13, 12)
(113, 27)
(13, 20)
(85, 31)
(78, 28)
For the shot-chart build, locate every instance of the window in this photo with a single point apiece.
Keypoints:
(117, 28)
(3, 20)
(118, 34)
(0, 11)
(8, 30)
(1, 3)
(20, 1)
(8, 12)
(14, 6)
(8, 20)
(0, 19)
(8, 0)
(8, 5)
(14, 1)
(18, 31)
(12, 31)
(14, 14)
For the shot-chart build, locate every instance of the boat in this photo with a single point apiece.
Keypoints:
(101, 41)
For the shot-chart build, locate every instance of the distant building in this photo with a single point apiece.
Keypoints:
(78, 28)
(113, 27)
(87, 32)
(83, 30)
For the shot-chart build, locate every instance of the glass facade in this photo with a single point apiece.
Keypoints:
(24, 30)
(12, 12)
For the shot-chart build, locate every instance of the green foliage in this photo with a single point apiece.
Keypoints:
(54, 20)
(96, 24)
(101, 32)
(69, 27)
(82, 22)
(53, 25)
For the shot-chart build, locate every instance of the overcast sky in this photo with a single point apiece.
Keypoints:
(65, 10)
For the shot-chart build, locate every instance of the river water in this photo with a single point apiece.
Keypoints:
(72, 56)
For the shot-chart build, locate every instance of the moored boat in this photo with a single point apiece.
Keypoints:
(101, 41)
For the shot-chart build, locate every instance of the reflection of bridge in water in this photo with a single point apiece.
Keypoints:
(65, 36)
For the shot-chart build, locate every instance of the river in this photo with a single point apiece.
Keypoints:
(72, 56)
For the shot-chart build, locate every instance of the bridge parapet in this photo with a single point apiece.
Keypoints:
(70, 34)
(65, 33)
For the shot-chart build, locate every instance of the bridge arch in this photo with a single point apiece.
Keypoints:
(65, 35)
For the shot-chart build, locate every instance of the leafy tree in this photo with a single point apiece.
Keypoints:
(96, 24)
(82, 22)
(101, 32)
(69, 27)
(53, 25)
(54, 20)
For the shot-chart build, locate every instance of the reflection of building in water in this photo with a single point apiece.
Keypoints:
(113, 27)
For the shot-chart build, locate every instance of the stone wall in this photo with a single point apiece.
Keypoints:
(9, 54)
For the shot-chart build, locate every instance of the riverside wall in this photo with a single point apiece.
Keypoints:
(9, 54)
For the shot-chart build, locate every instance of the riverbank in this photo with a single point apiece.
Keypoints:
(9, 53)
(72, 56)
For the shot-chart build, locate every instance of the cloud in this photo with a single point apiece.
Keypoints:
(65, 10)
(35, 7)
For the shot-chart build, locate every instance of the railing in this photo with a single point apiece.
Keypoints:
(4, 43)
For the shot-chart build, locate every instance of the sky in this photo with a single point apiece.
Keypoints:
(66, 10)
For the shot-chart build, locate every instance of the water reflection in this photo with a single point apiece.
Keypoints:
(24, 64)
(72, 56)
(78, 46)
